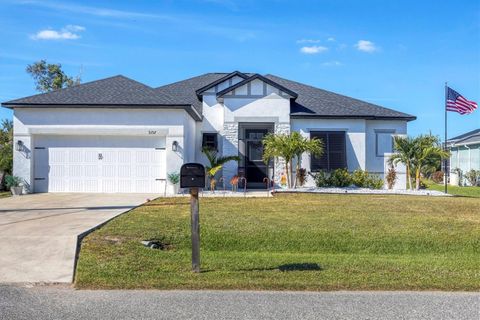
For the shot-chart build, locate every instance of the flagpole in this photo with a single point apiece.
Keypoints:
(446, 174)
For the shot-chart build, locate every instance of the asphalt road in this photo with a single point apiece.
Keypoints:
(54, 302)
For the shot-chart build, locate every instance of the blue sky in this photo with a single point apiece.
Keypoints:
(396, 54)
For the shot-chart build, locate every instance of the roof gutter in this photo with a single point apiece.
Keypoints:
(365, 117)
(190, 109)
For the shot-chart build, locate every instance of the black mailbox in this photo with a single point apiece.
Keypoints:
(192, 175)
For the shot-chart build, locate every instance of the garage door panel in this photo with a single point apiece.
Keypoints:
(85, 164)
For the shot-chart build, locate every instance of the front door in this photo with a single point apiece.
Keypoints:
(256, 169)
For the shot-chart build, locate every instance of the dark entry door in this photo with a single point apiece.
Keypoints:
(256, 169)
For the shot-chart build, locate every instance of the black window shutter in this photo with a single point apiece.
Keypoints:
(333, 156)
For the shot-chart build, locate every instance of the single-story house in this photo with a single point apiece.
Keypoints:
(464, 153)
(119, 135)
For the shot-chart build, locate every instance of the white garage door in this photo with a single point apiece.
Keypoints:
(105, 164)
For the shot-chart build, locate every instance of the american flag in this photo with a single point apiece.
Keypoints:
(457, 103)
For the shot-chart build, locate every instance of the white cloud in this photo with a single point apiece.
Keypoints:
(308, 41)
(313, 49)
(331, 39)
(366, 46)
(332, 64)
(69, 32)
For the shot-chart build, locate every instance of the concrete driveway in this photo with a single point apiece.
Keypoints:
(39, 232)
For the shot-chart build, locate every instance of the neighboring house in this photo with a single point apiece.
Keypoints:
(465, 153)
(118, 135)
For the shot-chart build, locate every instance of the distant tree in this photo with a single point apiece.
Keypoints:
(6, 149)
(50, 77)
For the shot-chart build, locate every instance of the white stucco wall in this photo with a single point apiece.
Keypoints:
(360, 143)
(174, 125)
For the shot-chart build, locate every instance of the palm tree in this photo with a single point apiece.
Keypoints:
(289, 147)
(418, 155)
(427, 153)
(215, 164)
(404, 150)
(304, 145)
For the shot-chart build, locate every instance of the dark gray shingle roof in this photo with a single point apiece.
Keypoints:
(315, 102)
(122, 91)
(114, 91)
(466, 138)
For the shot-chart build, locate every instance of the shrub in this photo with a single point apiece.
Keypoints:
(174, 177)
(374, 182)
(437, 176)
(360, 178)
(322, 180)
(340, 178)
(472, 177)
(301, 176)
(12, 181)
(391, 177)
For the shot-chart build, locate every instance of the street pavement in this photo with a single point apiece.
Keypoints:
(63, 302)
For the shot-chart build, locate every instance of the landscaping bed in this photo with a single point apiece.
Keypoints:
(354, 190)
(291, 242)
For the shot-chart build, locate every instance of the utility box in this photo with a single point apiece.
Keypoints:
(192, 175)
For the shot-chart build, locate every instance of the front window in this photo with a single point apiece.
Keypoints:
(383, 142)
(334, 153)
(210, 141)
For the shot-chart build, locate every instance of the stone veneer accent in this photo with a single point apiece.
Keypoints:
(230, 147)
(280, 128)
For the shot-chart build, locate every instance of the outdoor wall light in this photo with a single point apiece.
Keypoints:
(175, 146)
(19, 145)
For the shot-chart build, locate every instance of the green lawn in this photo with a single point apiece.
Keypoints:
(455, 190)
(292, 242)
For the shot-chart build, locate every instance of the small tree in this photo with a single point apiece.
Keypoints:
(427, 156)
(50, 77)
(215, 164)
(6, 149)
(289, 147)
(404, 149)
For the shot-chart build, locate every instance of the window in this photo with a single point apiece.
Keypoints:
(383, 142)
(209, 140)
(334, 154)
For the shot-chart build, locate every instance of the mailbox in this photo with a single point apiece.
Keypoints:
(192, 175)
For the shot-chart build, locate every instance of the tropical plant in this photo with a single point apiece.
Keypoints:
(374, 182)
(437, 176)
(215, 164)
(391, 177)
(301, 176)
(290, 147)
(173, 177)
(13, 181)
(404, 153)
(427, 156)
(50, 77)
(472, 177)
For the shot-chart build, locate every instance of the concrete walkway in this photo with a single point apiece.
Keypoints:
(39, 232)
(65, 303)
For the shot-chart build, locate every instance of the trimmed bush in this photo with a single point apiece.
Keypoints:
(360, 178)
(340, 178)
(322, 180)
(374, 182)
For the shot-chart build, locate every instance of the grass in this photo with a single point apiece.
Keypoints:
(292, 242)
(455, 190)
(5, 194)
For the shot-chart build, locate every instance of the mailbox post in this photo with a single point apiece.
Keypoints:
(192, 176)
